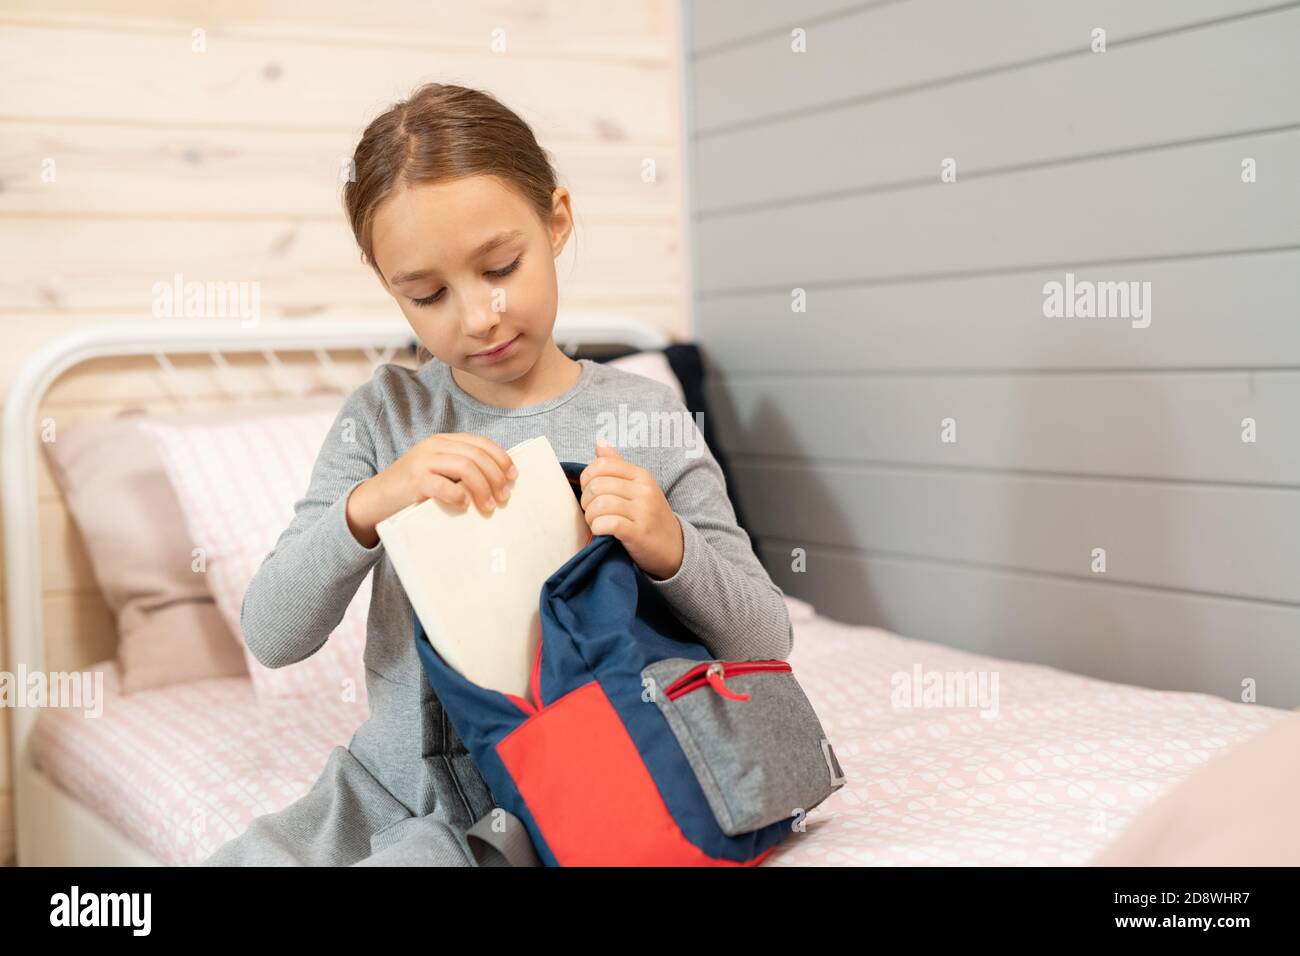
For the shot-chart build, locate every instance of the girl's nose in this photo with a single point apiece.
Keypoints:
(479, 320)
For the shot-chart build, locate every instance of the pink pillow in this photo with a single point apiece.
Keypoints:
(652, 365)
(118, 493)
(238, 484)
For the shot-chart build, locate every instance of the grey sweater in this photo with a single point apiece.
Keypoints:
(302, 588)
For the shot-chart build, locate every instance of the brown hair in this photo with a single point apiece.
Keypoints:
(443, 132)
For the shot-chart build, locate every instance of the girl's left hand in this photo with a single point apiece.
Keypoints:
(624, 500)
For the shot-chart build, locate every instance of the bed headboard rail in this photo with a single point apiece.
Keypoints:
(379, 338)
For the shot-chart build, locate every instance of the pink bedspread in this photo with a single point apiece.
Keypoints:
(1064, 764)
(182, 769)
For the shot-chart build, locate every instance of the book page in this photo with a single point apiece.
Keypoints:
(475, 580)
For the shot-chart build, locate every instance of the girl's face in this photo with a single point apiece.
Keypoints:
(473, 268)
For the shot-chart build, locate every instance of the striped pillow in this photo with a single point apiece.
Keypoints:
(237, 484)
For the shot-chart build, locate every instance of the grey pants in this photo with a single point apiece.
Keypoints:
(347, 819)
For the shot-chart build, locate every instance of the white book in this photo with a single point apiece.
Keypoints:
(475, 580)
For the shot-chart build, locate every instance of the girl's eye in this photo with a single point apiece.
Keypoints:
(496, 274)
(502, 273)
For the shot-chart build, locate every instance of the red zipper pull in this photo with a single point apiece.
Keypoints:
(715, 677)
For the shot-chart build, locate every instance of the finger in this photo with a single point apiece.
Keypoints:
(468, 473)
(608, 485)
(487, 464)
(617, 525)
(609, 507)
(616, 467)
(444, 490)
(499, 454)
(482, 450)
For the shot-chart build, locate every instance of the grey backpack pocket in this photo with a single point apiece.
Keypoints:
(750, 735)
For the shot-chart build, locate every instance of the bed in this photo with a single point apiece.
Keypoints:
(168, 775)
(178, 771)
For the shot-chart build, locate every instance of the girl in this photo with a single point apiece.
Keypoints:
(456, 209)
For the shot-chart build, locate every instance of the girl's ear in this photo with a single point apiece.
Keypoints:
(561, 224)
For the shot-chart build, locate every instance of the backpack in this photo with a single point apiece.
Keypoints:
(645, 750)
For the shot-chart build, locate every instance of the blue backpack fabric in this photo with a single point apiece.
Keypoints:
(642, 749)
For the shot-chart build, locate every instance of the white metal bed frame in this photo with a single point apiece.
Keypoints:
(53, 827)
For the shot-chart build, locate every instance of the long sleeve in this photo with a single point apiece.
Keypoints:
(304, 586)
(722, 591)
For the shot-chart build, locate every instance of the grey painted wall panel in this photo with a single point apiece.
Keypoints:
(1175, 426)
(721, 23)
(1165, 202)
(1209, 312)
(1126, 634)
(1230, 540)
(924, 301)
(885, 49)
(1132, 97)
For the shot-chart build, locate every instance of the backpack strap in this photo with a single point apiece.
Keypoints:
(496, 847)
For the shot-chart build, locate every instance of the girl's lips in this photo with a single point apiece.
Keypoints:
(499, 354)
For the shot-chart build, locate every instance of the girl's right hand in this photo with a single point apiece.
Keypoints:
(452, 468)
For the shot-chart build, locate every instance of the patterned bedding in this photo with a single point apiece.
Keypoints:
(1060, 764)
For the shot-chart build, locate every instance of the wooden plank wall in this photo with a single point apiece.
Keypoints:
(820, 171)
(225, 166)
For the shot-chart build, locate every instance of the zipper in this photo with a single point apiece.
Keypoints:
(714, 674)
